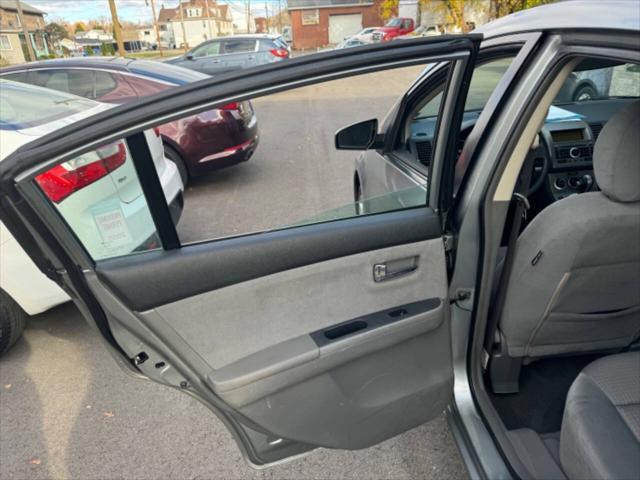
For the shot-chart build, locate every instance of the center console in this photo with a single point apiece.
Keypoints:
(570, 151)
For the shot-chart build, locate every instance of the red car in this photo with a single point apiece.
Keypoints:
(198, 144)
(394, 28)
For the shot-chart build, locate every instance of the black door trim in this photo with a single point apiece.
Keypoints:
(160, 277)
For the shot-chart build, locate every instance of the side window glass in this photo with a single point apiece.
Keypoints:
(100, 198)
(212, 48)
(271, 163)
(105, 83)
(422, 129)
(78, 82)
(16, 77)
(239, 46)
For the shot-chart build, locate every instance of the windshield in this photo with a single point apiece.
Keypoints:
(396, 22)
(25, 106)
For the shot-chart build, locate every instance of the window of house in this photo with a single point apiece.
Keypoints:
(5, 43)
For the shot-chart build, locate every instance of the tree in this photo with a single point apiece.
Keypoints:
(55, 32)
(388, 8)
(500, 8)
(107, 50)
(80, 27)
(453, 11)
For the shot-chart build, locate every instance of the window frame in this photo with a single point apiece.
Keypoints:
(5, 37)
(460, 49)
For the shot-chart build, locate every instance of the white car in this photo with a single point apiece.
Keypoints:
(365, 35)
(28, 112)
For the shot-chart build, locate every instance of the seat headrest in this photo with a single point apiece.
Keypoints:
(616, 155)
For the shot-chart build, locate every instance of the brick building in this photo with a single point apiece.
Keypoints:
(317, 23)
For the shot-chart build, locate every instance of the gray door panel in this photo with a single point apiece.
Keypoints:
(265, 346)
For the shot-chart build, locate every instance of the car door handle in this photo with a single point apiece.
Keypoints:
(251, 57)
(394, 269)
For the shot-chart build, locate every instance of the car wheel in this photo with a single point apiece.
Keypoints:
(584, 94)
(175, 157)
(12, 321)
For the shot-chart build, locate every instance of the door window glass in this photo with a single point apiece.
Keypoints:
(78, 82)
(271, 162)
(239, 46)
(105, 83)
(212, 48)
(99, 197)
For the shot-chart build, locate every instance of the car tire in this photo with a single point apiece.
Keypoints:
(175, 157)
(12, 321)
(584, 93)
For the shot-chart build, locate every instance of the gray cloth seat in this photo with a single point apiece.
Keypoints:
(600, 435)
(583, 294)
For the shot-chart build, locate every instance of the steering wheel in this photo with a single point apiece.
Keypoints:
(541, 165)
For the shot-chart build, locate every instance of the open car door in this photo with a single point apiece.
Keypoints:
(332, 334)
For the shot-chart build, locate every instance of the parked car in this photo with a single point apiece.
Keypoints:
(424, 31)
(393, 28)
(344, 333)
(197, 145)
(364, 36)
(226, 54)
(104, 177)
(350, 42)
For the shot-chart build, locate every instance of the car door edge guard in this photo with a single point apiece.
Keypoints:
(192, 98)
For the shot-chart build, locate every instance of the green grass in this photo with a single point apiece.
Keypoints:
(155, 55)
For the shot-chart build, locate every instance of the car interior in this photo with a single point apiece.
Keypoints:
(563, 339)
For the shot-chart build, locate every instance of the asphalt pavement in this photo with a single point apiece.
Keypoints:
(67, 410)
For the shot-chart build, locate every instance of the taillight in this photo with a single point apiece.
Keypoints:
(69, 177)
(231, 106)
(279, 52)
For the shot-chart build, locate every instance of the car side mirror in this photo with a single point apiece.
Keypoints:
(189, 56)
(359, 136)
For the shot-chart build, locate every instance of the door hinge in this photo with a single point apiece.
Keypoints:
(448, 241)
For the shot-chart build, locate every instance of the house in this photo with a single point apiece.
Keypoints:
(194, 21)
(317, 23)
(13, 47)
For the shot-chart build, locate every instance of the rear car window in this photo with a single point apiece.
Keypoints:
(22, 106)
(77, 82)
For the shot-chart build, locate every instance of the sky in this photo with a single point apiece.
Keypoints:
(129, 10)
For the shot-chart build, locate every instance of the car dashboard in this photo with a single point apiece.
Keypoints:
(564, 155)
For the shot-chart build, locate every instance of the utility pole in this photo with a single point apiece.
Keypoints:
(279, 17)
(155, 25)
(206, 6)
(116, 27)
(248, 16)
(266, 15)
(25, 30)
(184, 33)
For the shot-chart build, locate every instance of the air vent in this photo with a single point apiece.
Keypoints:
(595, 129)
(425, 153)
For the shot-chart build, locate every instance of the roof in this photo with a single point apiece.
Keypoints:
(569, 14)
(167, 14)
(304, 4)
(147, 68)
(26, 8)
